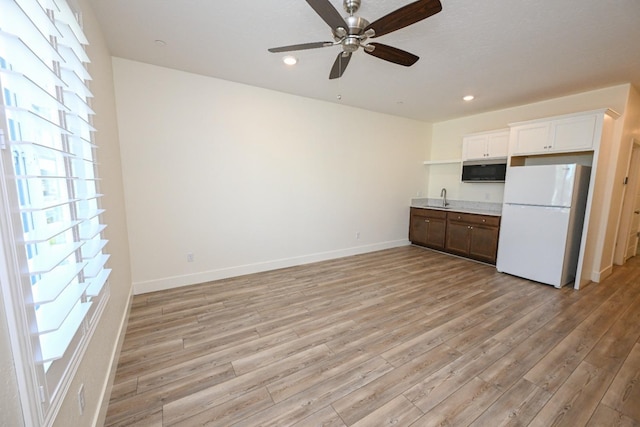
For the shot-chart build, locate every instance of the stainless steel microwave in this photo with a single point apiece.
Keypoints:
(484, 170)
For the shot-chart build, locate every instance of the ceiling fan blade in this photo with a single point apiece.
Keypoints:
(392, 54)
(302, 46)
(340, 65)
(405, 16)
(328, 13)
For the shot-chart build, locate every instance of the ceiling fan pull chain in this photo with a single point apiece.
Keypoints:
(340, 80)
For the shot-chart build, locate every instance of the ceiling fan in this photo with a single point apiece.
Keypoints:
(352, 32)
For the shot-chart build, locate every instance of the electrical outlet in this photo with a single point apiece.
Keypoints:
(81, 399)
(190, 257)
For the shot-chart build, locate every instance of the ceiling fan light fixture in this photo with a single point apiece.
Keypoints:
(290, 60)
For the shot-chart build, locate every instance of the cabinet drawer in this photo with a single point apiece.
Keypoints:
(493, 221)
(429, 213)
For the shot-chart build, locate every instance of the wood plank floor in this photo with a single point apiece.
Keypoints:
(405, 337)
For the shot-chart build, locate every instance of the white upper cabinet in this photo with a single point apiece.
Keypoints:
(529, 139)
(485, 145)
(576, 132)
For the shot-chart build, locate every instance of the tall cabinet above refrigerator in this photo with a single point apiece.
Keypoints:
(542, 221)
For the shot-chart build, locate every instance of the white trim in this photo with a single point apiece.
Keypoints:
(605, 111)
(105, 391)
(597, 276)
(12, 297)
(241, 270)
(629, 191)
(441, 162)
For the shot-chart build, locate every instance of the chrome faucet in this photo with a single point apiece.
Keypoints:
(443, 194)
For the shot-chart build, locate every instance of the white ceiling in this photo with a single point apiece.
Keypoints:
(505, 52)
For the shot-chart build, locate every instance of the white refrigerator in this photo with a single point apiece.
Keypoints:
(542, 219)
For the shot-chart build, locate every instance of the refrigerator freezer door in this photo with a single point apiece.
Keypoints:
(546, 185)
(533, 242)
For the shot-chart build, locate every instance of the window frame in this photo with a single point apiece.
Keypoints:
(43, 386)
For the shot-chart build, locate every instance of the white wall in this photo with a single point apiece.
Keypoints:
(249, 179)
(447, 137)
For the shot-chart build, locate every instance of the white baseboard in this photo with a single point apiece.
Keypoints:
(241, 270)
(597, 276)
(101, 414)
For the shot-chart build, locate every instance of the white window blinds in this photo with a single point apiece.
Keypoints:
(51, 199)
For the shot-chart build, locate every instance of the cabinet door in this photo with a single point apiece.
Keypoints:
(458, 237)
(418, 229)
(436, 228)
(483, 243)
(427, 228)
(573, 134)
(474, 147)
(497, 145)
(531, 139)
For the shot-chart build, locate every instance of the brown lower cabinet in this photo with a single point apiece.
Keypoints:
(427, 227)
(470, 235)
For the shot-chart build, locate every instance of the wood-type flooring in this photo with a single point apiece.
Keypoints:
(406, 337)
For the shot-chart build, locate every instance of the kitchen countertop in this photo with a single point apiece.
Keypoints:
(462, 206)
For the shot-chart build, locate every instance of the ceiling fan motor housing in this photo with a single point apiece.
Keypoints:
(355, 34)
(356, 25)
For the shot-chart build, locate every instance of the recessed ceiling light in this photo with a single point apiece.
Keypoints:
(290, 60)
(469, 98)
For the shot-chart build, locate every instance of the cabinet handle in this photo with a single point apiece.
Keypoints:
(484, 220)
(426, 220)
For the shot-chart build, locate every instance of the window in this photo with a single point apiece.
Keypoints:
(55, 283)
